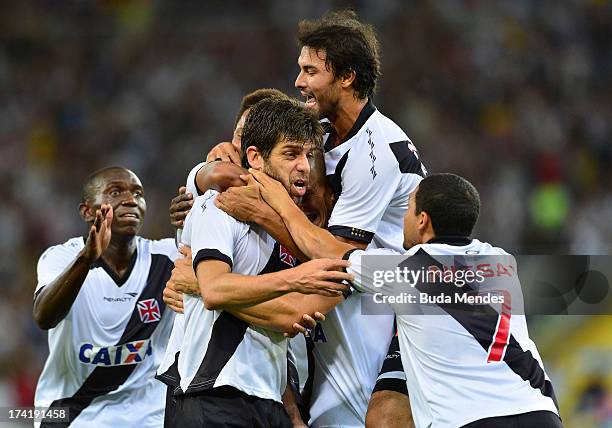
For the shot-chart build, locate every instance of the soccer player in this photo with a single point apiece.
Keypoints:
(454, 376)
(100, 297)
(372, 167)
(218, 176)
(233, 359)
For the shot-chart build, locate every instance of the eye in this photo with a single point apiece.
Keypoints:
(138, 194)
(114, 192)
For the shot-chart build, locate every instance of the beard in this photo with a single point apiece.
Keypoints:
(328, 109)
(267, 168)
(328, 101)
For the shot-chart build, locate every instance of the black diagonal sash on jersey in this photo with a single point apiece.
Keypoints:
(481, 321)
(171, 377)
(103, 380)
(228, 332)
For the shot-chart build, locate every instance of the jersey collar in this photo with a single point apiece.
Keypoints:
(119, 280)
(364, 115)
(450, 240)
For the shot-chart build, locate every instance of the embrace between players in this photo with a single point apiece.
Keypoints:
(321, 191)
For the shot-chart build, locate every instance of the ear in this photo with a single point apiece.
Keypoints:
(347, 79)
(254, 157)
(423, 222)
(87, 213)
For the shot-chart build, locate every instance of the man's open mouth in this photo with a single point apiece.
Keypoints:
(311, 101)
(298, 188)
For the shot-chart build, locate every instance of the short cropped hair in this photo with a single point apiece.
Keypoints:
(349, 46)
(274, 119)
(452, 202)
(90, 186)
(252, 98)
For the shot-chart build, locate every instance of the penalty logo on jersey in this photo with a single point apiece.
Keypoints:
(149, 311)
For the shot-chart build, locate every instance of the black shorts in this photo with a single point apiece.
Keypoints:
(170, 411)
(539, 419)
(392, 376)
(228, 407)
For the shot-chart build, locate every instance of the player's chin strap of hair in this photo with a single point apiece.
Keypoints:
(349, 291)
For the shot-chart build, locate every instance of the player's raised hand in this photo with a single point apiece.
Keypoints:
(272, 191)
(224, 152)
(321, 276)
(180, 206)
(99, 234)
(244, 202)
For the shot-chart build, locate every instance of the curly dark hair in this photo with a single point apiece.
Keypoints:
(349, 46)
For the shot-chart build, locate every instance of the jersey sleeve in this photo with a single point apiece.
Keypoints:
(368, 187)
(191, 184)
(53, 262)
(213, 232)
(364, 272)
(392, 376)
(166, 247)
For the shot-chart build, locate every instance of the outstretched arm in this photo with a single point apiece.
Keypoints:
(312, 240)
(289, 313)
(55, 299)
(219, 176)
(221, 289)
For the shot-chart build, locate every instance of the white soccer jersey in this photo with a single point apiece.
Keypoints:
(167, 371)
(219, 349)
(297, 355)
(454, 374)
(372, 172)
(103, 355)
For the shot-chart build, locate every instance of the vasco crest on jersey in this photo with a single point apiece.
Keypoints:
(148, 310)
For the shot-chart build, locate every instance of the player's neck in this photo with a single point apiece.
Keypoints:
(346, 115)
(119, 253)
(428, 235)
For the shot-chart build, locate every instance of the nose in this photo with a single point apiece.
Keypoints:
(129, 199)
(300, 81)
(303, 165)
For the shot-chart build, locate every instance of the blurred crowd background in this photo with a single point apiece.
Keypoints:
(514, 95)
